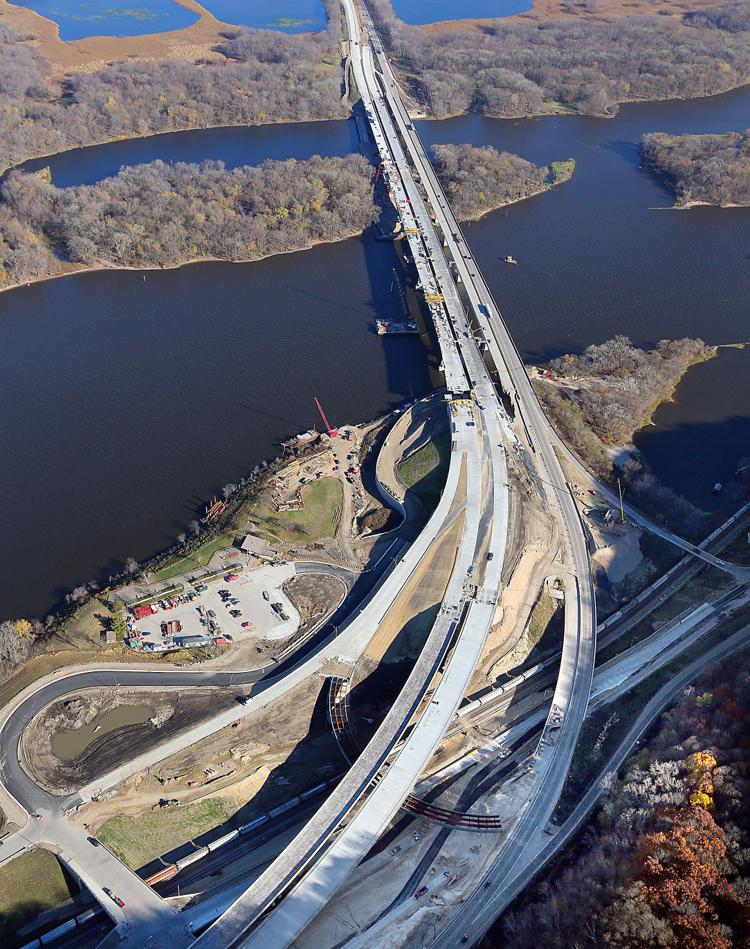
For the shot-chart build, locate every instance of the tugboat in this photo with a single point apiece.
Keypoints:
(510, 260)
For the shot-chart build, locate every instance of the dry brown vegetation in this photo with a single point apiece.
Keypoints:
(517, 67)
(164, 215)
(252, 76)
(709, 169)
(600, 398)
(478, 180)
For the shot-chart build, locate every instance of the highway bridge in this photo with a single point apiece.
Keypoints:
(312, 869)
(468, 327)
(574, 681)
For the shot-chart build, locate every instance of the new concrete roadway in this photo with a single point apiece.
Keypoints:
(470, 605)
(574, 681)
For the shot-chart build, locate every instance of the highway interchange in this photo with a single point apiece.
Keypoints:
(284, 899)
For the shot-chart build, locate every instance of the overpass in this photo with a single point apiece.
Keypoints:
(576, 670)
(314, 867)
(477, 492)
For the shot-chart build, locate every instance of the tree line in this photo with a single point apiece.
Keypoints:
(158, 214)
(252, 76)
(477, 180)
(601, 397)
(517, 68)
(666, 862)
(618, 385)
(710, 168)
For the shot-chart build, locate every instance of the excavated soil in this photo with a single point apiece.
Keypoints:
(171, 711)
(314, 595)
(268, 757)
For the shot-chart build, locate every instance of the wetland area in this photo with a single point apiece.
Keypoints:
(129, 401)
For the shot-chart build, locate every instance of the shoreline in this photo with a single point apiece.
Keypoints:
(565, 110)
(666, 179)
(550, 186)
(76, 271)
(417, 116)
(137, 138)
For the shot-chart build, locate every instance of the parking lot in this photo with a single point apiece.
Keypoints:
(256, 592)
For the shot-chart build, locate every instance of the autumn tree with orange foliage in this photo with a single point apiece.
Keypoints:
(681, 869)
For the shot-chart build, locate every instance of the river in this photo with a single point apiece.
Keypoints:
(126, 402)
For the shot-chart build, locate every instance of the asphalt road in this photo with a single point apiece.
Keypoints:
(574, 681)
(33, 798)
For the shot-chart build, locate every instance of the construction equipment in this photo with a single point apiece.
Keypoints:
(332, 432)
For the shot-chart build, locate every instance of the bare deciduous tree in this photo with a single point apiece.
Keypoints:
(710, 168)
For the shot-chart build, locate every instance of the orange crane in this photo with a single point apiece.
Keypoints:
(333, 432)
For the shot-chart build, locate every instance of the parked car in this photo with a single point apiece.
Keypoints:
(93, 841)
(246, 624)
(420, 893)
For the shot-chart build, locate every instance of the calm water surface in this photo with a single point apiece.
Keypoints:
(126, 402)
(698, 439)
(78, 19)
(417, 11)
(603, 254)
(249, 145)
(289, 16)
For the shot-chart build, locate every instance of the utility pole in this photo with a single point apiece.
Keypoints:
(622, 512)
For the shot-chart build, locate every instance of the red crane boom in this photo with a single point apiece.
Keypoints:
(333, 432)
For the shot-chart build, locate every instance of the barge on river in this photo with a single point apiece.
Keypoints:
(391, 328)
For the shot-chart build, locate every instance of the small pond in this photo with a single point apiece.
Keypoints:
(79, 19)
(68, 743)
(416, 11)
(290, 16)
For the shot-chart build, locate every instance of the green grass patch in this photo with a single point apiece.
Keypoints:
(562, 170)
(198, 558)
(424, 472)
(544, 611)
(319, 517)
(29, 885)
(139, 839)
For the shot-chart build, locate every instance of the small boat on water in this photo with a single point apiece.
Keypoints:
(510, 260)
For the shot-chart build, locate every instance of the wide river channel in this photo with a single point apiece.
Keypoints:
(128, 401)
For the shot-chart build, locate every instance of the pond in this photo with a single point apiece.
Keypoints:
(417, 11)
(68, 744)
(78, 19)
(290, 16)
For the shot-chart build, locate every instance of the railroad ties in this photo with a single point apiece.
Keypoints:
(338, 716)
(482, 823)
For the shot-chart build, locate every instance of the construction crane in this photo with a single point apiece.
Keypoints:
(333, 432)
